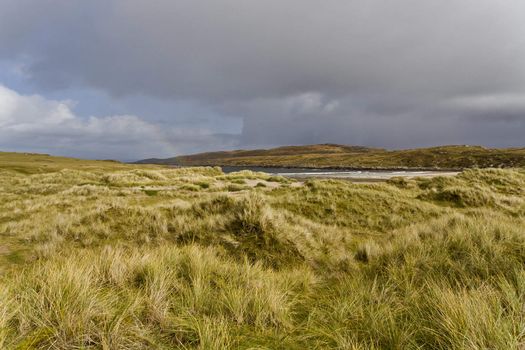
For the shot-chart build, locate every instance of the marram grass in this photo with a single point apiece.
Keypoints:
(109, 256)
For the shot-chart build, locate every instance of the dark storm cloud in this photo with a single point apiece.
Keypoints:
(398, 74)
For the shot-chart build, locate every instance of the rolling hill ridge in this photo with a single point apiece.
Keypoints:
(356, 157)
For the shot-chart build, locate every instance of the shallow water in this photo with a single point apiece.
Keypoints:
(341, 174)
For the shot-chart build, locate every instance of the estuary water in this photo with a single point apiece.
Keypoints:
(357, 175)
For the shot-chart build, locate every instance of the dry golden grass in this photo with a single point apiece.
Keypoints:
(101, 255)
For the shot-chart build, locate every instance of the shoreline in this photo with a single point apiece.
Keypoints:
(334, 168)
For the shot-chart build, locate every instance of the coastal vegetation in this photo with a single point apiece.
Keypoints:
(105, 255)
(356, 157)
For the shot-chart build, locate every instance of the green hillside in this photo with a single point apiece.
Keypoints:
(337, 156)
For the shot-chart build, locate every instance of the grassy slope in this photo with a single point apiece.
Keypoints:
(449, 157)
(105, 255)
(35, 163)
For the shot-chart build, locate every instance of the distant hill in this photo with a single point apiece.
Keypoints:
(357, 157)
(35, 163)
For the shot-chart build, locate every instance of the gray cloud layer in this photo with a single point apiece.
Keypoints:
(35, 124)
(378, 72)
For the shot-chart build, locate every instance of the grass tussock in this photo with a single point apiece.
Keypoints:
(102, 256)
(167, 297)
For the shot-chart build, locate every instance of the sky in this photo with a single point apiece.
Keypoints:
(130, 79)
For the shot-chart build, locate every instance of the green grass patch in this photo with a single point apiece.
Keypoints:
(151, 193)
